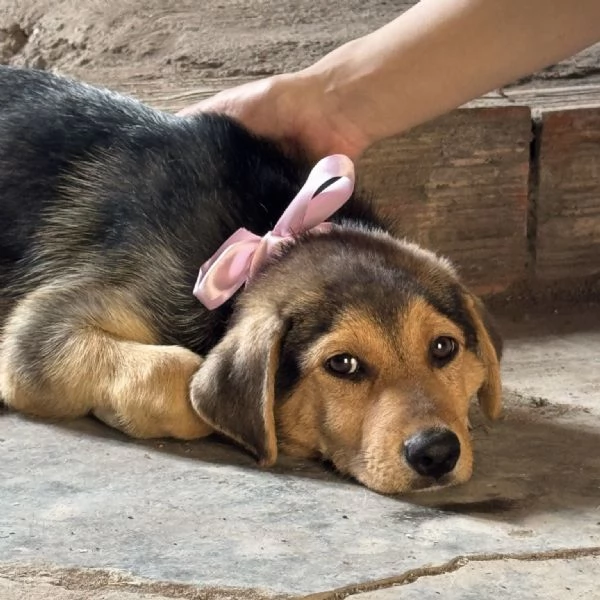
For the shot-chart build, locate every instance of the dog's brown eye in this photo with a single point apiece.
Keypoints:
(442, 350)
(343, 365)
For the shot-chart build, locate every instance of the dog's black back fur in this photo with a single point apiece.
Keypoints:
(103, 186)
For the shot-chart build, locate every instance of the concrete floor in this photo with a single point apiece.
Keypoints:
(87, 513)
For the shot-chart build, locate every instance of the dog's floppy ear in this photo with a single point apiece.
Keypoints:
(233, 391)
(489, 345)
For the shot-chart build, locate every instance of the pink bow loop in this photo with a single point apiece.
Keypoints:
(327, 188)
(310, 208)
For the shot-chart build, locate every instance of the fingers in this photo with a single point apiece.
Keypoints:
(254, 104)
(215, 104)
(289, 111)
(194, 109)
(253, 99)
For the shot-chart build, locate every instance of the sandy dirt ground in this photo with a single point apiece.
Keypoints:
(153, 45)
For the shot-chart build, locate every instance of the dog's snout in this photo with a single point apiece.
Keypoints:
(433, 452)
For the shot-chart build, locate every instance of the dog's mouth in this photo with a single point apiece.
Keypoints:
(430, 484)
(379, 472)
(399, 479)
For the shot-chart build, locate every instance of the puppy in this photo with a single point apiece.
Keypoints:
(345, 343)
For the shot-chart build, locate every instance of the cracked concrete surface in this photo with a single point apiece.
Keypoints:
(87, 513)
(542, 577)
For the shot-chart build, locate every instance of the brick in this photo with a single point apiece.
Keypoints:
(568, 195)
(458, 185)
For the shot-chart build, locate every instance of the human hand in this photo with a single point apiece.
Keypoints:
(292, 110)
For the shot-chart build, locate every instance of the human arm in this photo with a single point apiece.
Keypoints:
(431, 59)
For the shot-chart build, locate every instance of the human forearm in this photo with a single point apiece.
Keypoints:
(442, 53)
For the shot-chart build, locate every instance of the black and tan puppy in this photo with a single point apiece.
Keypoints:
(350, 345)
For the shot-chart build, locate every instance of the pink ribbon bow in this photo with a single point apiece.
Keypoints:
(328, 187)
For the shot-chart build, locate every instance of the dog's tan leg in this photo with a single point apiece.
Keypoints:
(69, 351)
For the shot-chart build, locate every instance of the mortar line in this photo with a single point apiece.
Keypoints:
(450, 566)
(533, 189)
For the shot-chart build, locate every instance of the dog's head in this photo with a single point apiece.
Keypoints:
(362, 350)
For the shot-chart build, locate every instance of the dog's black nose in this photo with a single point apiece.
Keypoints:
(433, 452)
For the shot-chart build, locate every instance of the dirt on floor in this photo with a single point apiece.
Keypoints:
(173, 39)
(186, 43)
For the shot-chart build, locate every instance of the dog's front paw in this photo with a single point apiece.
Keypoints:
(154, 400)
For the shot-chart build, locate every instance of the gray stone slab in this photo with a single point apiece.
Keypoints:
(567, 579)
(81, 496)
(555, 359)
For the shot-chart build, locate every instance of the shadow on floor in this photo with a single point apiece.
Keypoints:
(537, 460)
